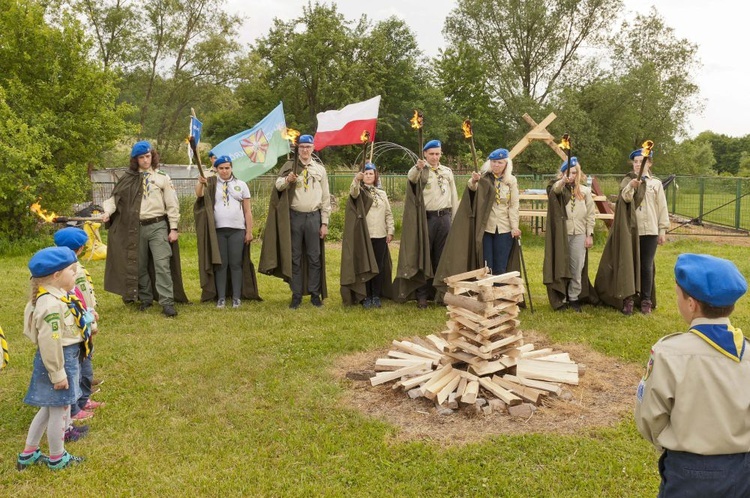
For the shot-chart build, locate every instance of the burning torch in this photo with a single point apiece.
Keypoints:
(565, 145)
(469, 135)
(292, 135)
(364, 138)
(646, 153)
(417, 122)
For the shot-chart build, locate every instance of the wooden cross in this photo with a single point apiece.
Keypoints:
(538, 132)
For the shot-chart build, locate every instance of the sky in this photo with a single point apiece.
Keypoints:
(719, 28)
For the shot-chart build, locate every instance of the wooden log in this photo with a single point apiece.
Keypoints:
(383, 377)
(466, 303)
(461, 386)
(508, 397)
(487, 367)
(536, 384)
(469, 396)
(438, 342)
(564, 357)
(448, 389)
(498, 320)
(479, 273)
(431, 389)
(469, 324)
(500, 343)
(396, 363)
(461, 356)
(537, 352)
(442, 372)
(415, 381)
(407, 356)
(505, 328)
(425, 344)
(416, 349)
(554, 371)
(470, 348)
(528, 393)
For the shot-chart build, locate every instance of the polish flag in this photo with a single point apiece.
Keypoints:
(345, 126)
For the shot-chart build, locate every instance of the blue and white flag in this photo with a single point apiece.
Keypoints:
(195, 131)
(256, 151)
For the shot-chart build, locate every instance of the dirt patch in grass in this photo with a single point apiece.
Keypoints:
(604, 397)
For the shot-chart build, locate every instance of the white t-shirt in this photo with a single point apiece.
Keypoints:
(229, 195)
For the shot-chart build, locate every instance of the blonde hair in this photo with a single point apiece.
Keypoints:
(580, 180)
(37, 282)
(507, 173)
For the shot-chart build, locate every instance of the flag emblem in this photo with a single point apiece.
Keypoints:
(255, 146)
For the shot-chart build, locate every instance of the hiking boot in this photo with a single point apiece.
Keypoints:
(422, 304)
(66, 460)
(367, 303)
(627, 306)
(236, 303)
(316, 301)
(25, 461)
(82, 415)
(376, 302)
(92, 405)
(221, 303)
(97, 382)
(296, 302)
(646, 306)
(145, 305)
(73, 433)
(575, 306)
(169, 311)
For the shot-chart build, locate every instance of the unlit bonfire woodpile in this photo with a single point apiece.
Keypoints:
(481, 355)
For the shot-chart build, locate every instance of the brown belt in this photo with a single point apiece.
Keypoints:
(151, 221)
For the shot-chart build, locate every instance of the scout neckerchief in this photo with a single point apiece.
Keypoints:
(146, 183)
(83, 317)
(306, 178)
(225, 192)
(4, 345)
(373, 191)
(440, 179)
(498, 184)
(726, 339)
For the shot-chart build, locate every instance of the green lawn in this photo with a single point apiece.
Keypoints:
(240, 402)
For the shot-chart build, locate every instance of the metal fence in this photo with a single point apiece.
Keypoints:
(719, 201)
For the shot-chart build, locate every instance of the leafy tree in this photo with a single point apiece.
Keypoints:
(57, 113)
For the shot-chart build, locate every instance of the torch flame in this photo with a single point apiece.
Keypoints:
(565, 142)
(365, 137)
(417, 120)
(291, 135)
(646, 148)
(37, 209)
(466, 127)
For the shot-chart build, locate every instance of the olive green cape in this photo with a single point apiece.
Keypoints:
(276, 251)
(358, 263)
(208, 250)
(121, 266)
(414, 264)
(556, 272)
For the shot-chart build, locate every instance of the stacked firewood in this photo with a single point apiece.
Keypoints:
(481, 354)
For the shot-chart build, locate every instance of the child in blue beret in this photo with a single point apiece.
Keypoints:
(693, 403)
(56, 322)
(76, 239)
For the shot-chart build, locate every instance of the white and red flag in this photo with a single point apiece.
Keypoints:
(345, 126)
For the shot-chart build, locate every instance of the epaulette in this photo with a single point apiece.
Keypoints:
(161, 172)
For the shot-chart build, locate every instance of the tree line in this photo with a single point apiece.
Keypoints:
(81, 79)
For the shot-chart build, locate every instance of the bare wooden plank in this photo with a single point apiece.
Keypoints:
(442, 372)
(415, 349)
(383, 377)
(399, 362)
(448, 389)
(480, 272)
(528, 393)
(536, 384)
(505, 395)
(431, 389)
(464, 357)
(498, 279)
(454, 311)
(469, 396)
(487, 367)
(564, 357)
(470, 348)
(438, 342)
(498, 319)
(461, 386)
(537, 352)
(469, 324)
(407, 356)
(554, 371)
(502, 342)
(415, 381)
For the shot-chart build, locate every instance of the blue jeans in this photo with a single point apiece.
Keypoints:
(496, 251)
(86, 379)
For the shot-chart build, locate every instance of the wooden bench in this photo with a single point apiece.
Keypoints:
(542, 213)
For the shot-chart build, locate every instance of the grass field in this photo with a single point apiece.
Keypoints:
(241, 402)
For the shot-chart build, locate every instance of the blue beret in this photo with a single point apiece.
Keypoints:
(713, 280)
(71, 237)
(498, 154)
(222, 160)
(140, 148)
(370, 167)
(573, 162)
(432, 144)
(211, 154)
(306, 139)
(639, 153)
(51, 259)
